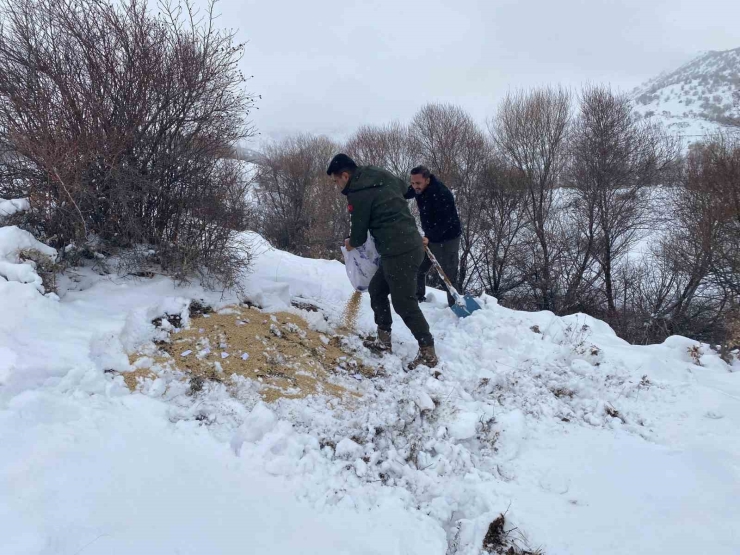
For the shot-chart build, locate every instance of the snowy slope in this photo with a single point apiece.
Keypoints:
(697, 98)
(592, 445)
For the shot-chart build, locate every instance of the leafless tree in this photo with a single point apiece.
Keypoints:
(681, 286)
(615, 159)
(117, 123)
(715, 167)
(387, 146)
(300, 209)
(498, 262)
(441, 134)
(678, 285)
(530, 131)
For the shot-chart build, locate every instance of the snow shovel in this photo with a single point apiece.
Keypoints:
(464, 305)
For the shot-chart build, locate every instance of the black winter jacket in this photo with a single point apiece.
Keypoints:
(438, 212)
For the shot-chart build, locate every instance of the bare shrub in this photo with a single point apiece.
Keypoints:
(695, 354)
(530, 131)
(731, 344)
(46, 268)
(615, 159)
(704, 245)
(118, 124)
(715, 167)
(500, 541)
(300, 209)
(388, 146)
(499, 260)
(673, 291)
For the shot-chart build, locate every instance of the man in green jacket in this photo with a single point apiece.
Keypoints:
(376, 205)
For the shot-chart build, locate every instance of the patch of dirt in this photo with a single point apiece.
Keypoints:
(500, 541)
(143, 274)
(495, 536)
(304, 305)
(614, 413)
(278, 350)
(199, 308)
(132, 379)
(174, 319)
(563, 392)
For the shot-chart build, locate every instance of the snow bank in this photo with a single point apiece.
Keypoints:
(14, 241)
(279, 276)
(109, 474)
(13, 206)
(591, 444)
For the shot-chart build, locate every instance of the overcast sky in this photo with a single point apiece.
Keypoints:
(329, 66)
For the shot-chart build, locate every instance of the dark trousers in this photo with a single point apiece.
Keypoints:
(396, 277)
(448, 256)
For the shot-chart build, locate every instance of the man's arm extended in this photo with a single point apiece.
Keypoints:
(360, 207)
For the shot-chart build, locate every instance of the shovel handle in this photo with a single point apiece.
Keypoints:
(441, 272)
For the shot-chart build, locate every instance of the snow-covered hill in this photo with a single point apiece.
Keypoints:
(696, 99)
(588, 444)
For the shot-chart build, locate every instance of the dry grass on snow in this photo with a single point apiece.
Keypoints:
(279, 351)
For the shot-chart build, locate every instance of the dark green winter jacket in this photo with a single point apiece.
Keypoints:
(376, 204)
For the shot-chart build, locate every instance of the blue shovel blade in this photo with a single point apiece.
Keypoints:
(471, 305)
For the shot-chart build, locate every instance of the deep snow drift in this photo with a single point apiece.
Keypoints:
(592, 445)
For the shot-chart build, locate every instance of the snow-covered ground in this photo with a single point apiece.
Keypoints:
(590, 444)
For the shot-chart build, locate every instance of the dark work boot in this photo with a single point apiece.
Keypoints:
(381, 344)
(427, 356)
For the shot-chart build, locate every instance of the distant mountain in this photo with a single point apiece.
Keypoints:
(699, 97)
(245, 154)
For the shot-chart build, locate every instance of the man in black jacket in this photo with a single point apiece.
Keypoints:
(441, 226)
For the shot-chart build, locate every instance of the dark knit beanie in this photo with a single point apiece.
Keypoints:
(341, 163)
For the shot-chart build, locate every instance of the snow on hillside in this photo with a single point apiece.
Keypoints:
(697, 98)
(588, 444)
